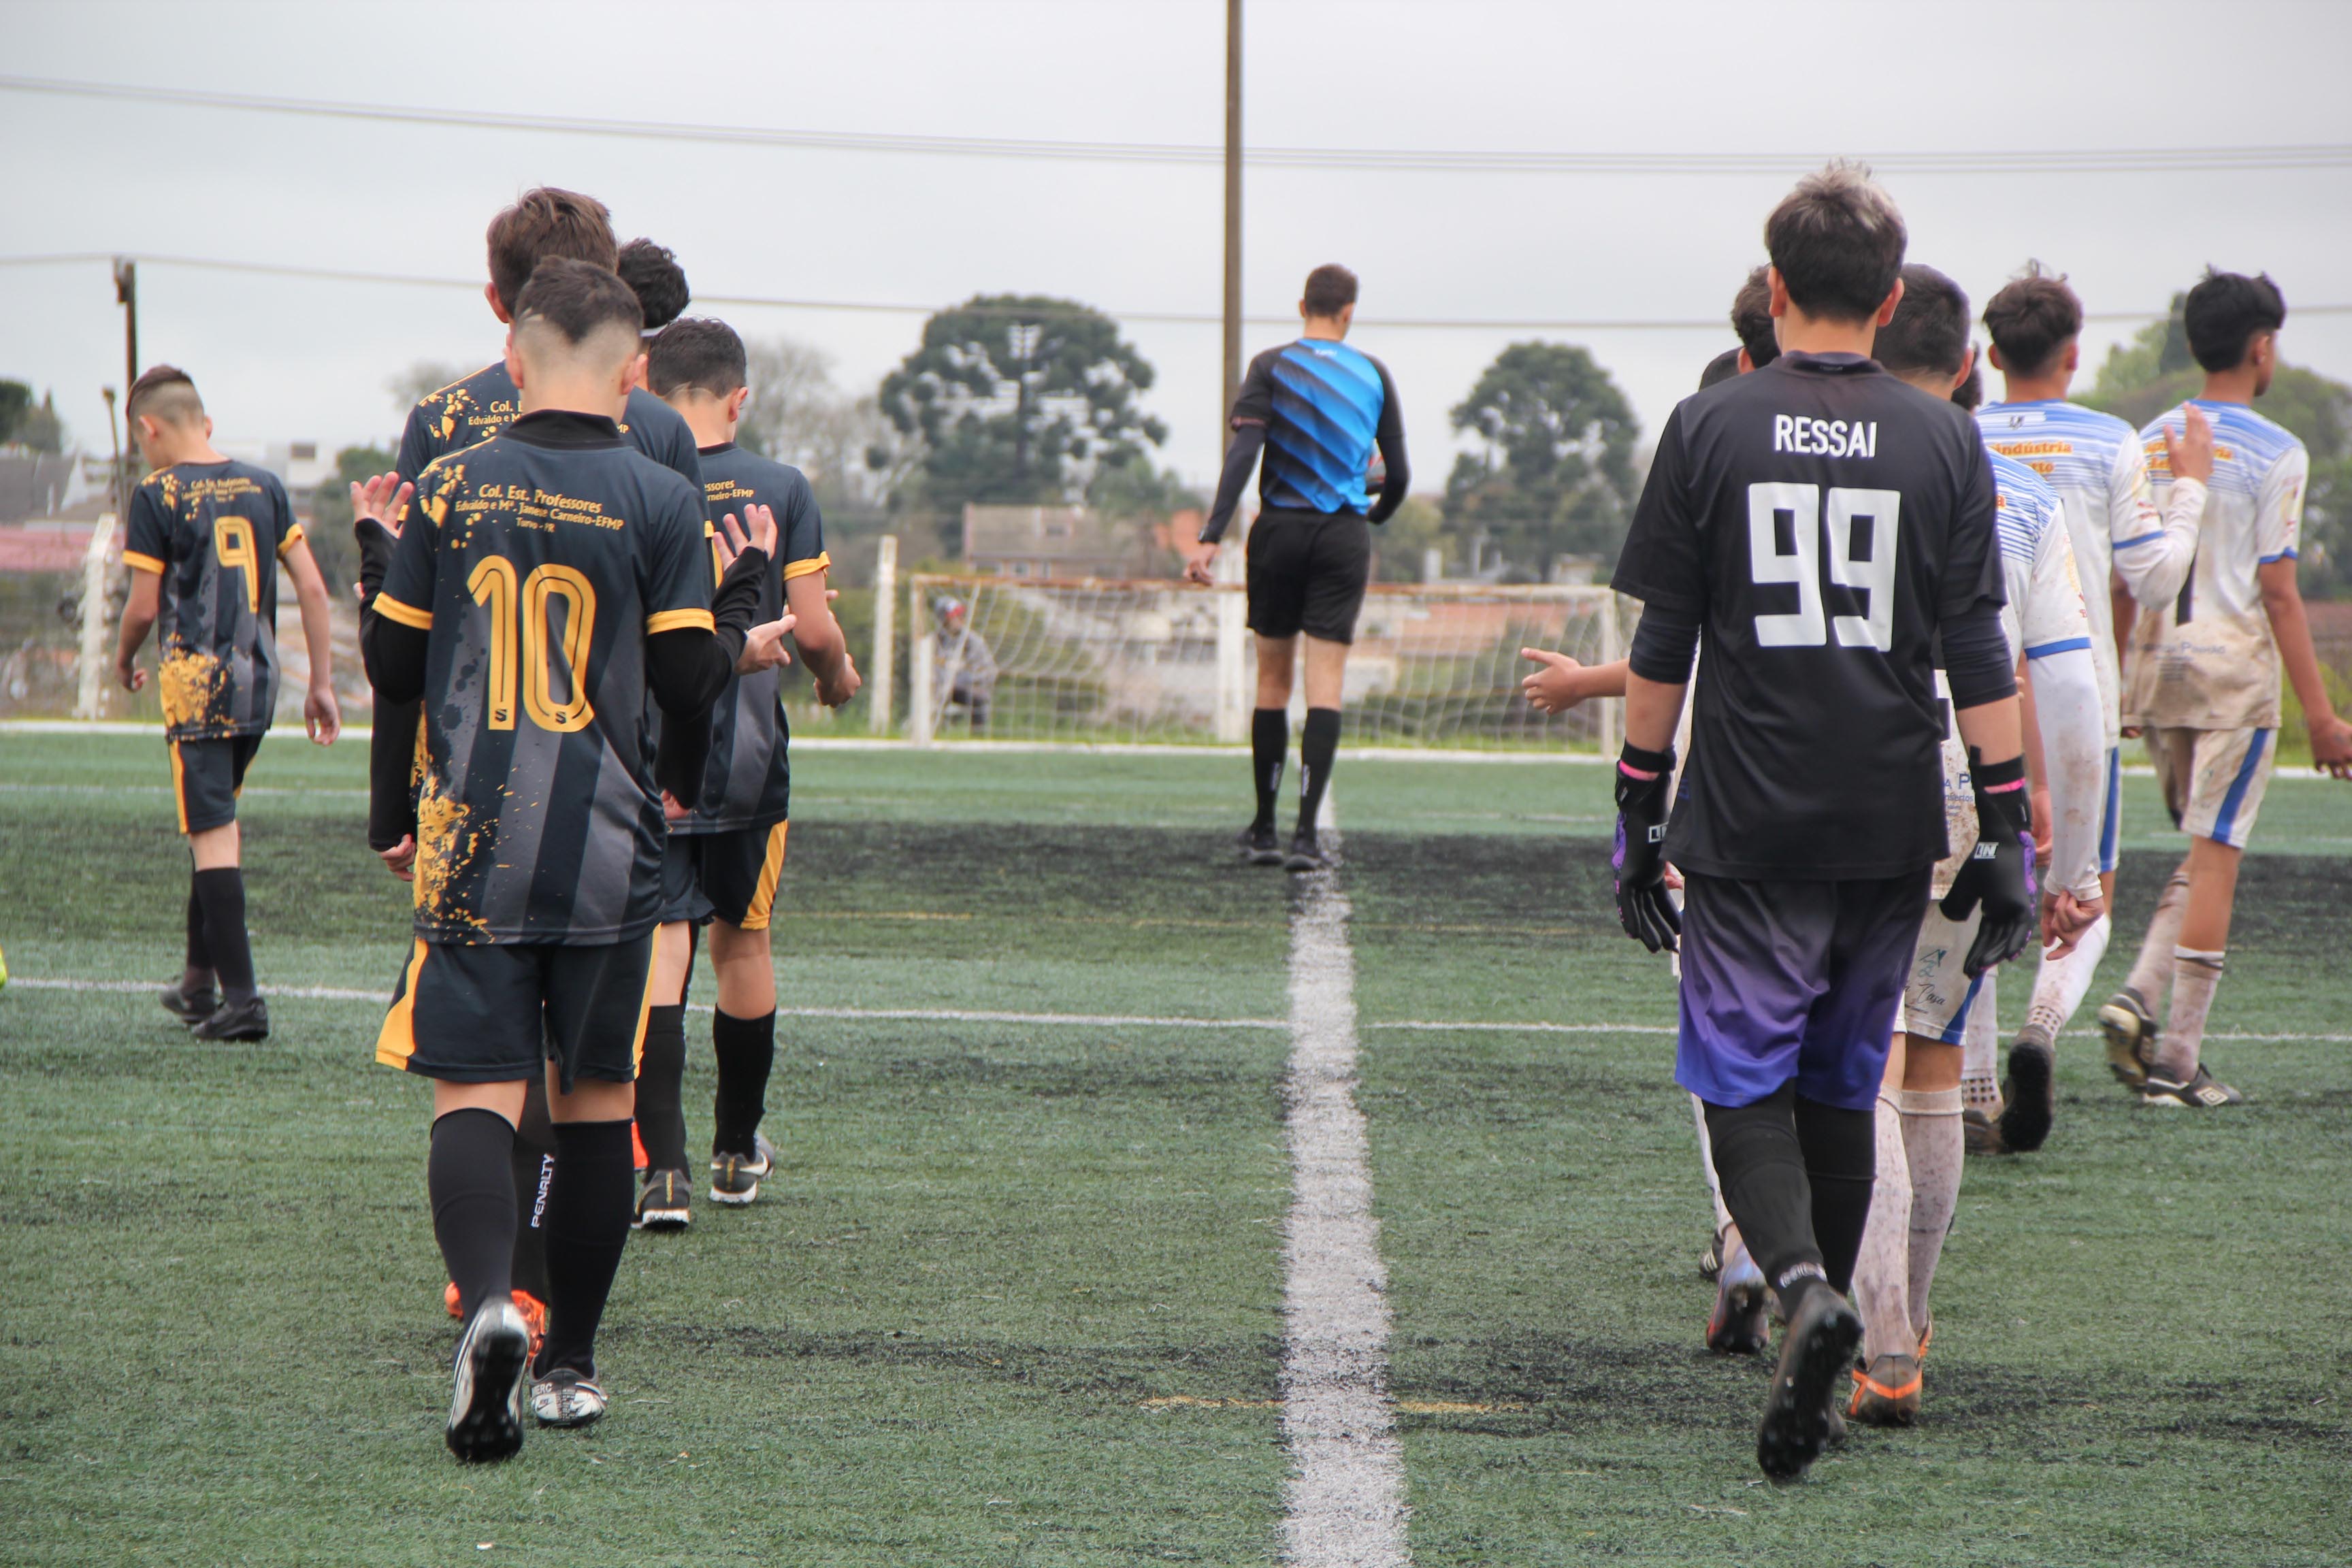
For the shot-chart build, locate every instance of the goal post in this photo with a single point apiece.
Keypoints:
(1117, 661)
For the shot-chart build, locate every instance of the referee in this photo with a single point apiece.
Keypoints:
(1317, 409)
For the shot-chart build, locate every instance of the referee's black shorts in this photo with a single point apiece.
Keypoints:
(1307, 574)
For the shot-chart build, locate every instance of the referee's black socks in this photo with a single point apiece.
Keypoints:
(1317, 744)
(1269, 746)
(1796, 1176)
(473, 1196)
(746, 1048)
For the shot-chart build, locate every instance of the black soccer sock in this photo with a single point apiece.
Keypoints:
(588, 1209)
(1841, 1162)
(1318, 743)
(198, 974)
(221, 890)
(1269, 748)
(661, 1088)
(533, 1163)
(746, 1048)
(473, 1196)
(1761, 1167)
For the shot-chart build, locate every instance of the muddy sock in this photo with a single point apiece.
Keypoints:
(221, 890)
(588, 1211)
(1269, 748)
(1762, 1169)
(1881, 1272)
(2152, 971)
(1934, 1145)
(1841, 1150)
(1980, 1050)
(661, 1088)
(2062, 982)
(1318, 744)
(197, 975)
(533, 1163)
(2195, 975)
(473, 1197)
(746, 1048)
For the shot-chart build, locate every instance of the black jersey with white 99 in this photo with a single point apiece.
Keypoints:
(1819, 520)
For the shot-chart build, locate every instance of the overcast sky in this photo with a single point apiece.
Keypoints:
(281, 358)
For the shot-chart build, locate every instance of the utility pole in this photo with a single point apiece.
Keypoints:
(1232, 382)
(126, 294)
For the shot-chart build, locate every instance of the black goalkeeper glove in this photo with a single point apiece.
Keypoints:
(1648, 915)
(1999, 869)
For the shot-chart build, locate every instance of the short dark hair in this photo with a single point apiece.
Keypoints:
(1751, 318)
(697, 351)
(1721, 368)
(2032, 319)
(652, 272)
(2224, 312)
(165, 392)
(1970, 394)
(1837, 242)
(1930, 329)
(542, 225)
(577, 297)
(1330, 288)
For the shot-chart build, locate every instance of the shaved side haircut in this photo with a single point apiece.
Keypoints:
(542, 225)
(2033, 318)
(165, 394)
(699, 352)
(583, 304)
(1837, 242)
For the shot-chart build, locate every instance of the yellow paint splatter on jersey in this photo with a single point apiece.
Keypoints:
(446, 846)
(193, 685)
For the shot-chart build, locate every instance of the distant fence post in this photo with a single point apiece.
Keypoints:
(922, 704)
(1613, 648)
(1233, 610)
(886, 632)
(90, 692)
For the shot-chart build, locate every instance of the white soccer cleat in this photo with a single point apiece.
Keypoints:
(564, 1398)
(485, 1404)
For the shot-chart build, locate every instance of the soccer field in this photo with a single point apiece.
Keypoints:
(1016, 1294)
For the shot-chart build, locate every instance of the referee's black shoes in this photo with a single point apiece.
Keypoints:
(1305, 855)
(1259, 846)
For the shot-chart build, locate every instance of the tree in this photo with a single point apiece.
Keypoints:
(408, 388)
(23, 422)
(2155, 371)
(1019, 398)
(1553, 474)
(856, 459)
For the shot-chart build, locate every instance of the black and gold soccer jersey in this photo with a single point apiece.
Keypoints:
(485, 402)
(748, 782)
(538, 563)
(1821, 520)
(214, 533)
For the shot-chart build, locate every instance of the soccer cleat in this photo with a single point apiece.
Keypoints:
(533, 1311)
(2131, 1033)
(191, 1007)
(666, 1203)
(1823, 1333)
(564, 1398)
(1710, 1258)
(1737, 1325)
(1259, 846)
(1888, 1393)
(2203, 1092)
(735, 1178)
(2031, 1096)
(1981, 1133)
(449, 1298)
(245, 1020)
(1306, 853)
(485, 1404)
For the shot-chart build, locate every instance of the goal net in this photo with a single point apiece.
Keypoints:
(1438, 665)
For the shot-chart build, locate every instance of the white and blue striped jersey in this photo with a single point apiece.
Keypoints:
(2045, 613)
(2206, 659)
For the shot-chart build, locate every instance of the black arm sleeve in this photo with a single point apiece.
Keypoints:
(1249, 439)
(1976, 656)
(1662, 645)
(394, 657)
(687, 670)
(391, 741)
(1397, 470)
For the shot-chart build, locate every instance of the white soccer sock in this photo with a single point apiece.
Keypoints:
(1706, 1164)
(1933, 1149)
(2062, 984)
(2152, 971)
(2195, 975)
(1980, 1050)
(1882, 1270)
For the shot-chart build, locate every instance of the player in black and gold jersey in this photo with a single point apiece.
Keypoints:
(207, 536)
(553, 577)
(727, 850)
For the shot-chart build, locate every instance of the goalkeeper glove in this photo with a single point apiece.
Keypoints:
(1648, 915)
(1999, 869)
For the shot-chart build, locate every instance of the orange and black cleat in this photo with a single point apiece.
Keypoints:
(1887, 1394)
(533, 1311)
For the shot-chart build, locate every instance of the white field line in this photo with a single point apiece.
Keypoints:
(1070, 1020)
(1345, 1494)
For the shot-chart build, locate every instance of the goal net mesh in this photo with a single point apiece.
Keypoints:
(1003, 658)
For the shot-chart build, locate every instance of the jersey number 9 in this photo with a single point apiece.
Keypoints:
(1869, 571)
(492, 584)
(233, 547)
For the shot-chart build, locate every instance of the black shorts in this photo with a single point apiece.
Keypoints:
(1307, 574)
(206, 778)
(731, 875)
(494, 1014)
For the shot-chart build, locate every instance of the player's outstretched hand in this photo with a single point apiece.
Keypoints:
(322, 716)
(757, 530)
(1645, 911)
(401, 858)
(2331, 745)
(672, 810)
(383, 497)
(1998, 874)
(763, 645)
(1202, 567)
(2191, 454)
(1555, 686)
(841, 688)
(2064, 919)
(130, 674)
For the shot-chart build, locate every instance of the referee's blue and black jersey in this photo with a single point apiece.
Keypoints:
(214, 533)
(1320, 409)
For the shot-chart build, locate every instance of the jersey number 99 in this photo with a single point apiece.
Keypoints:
(492, 584)
(1870, 573)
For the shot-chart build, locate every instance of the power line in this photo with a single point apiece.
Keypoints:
(1024, 312)
(2048, 160)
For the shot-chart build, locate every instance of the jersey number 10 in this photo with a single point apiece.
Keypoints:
(492, 584)
(1851, 518)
